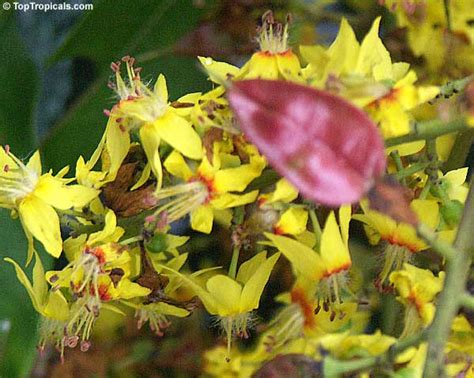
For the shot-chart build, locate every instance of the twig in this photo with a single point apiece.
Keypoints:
(428, 130)
(467, 301)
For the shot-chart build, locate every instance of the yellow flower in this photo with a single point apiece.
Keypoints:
(156, 314)
(274, 61)
(84, 173)
(299, 317)
(417, 289)
(292, 222)
(149, 112)
(382, 227)
(391, 111)
(446, 51)
(364, 74)
(35, 196)
(51, 304)
(209, 188)
(232, 300)
(98, 274)
(402, 240)
(329, 266)
(284, 192)
(91, 257)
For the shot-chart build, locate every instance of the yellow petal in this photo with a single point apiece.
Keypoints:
(110, 232)
(218, 72)
(226, 293)
(176, 165)
(167, 309)
(56, 306)
(53, 192)
(284, 192)
(161, 89)
(288, 65)
(223, 217)
(35, 163)
(207, 299)
(117, 143)
(304, 260)
(292, 221)
(23, 278)
(202, 219)
(253, 288)
(456, 177)
(235, 179)
(249, 267)
(42, 221)
(344, 50)
(427, 211)
(344, 220)
(226, 200)
(129, 289)
(143, 177)
(261, 66)
(97, 152)
(373, 53)
(73, 246)
(406, 149)
(334, 251)
(151, 142)
(179, 134)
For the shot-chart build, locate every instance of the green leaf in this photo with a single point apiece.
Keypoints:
(18, 344)
(155, 28)
(18, 89)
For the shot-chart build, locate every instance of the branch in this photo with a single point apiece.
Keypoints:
(457, 268)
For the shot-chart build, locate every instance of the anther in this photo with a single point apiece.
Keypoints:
(325, 306)
(71, 341)
(317, 309)
(115, 67)
(85, 345)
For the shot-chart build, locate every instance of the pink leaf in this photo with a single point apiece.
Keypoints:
(326, 147)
